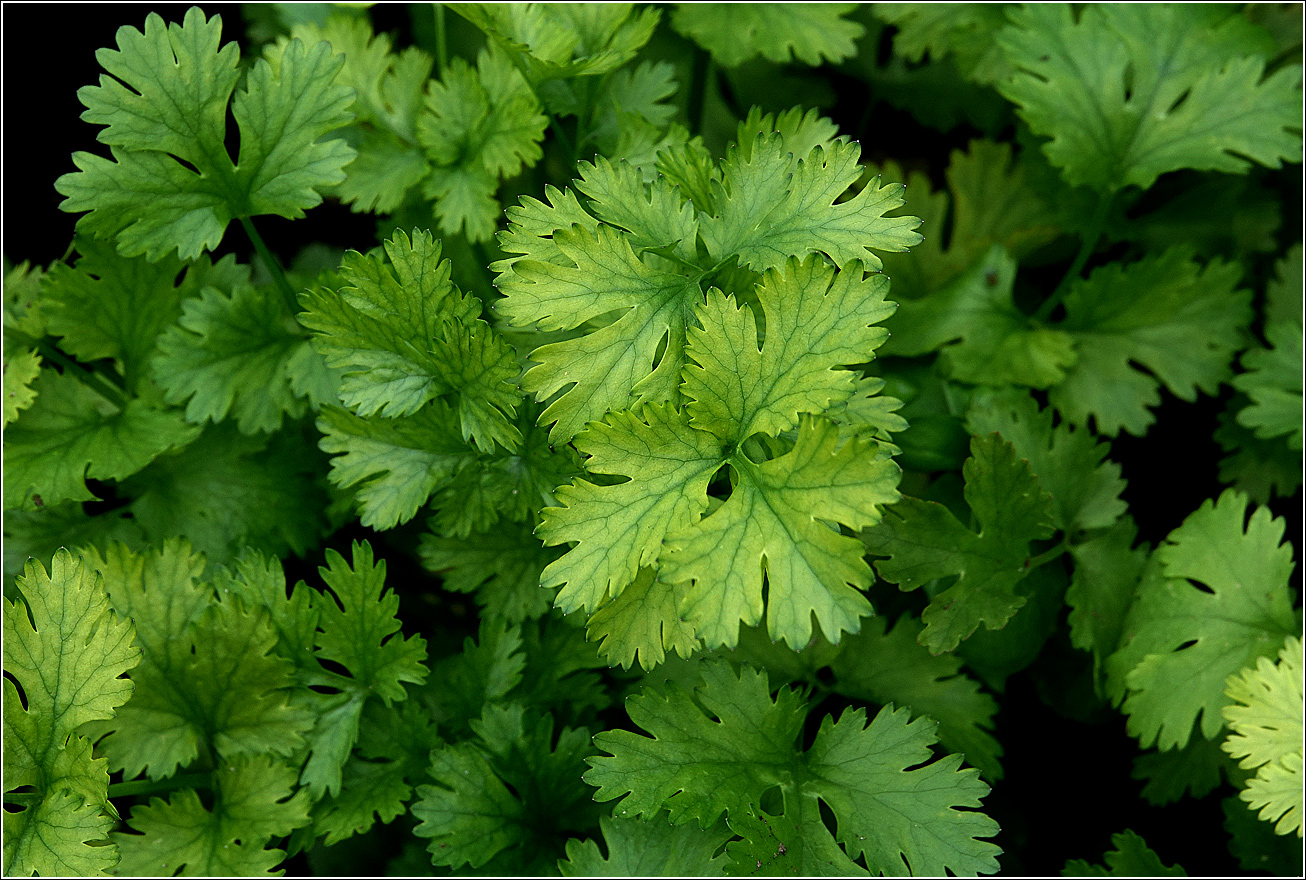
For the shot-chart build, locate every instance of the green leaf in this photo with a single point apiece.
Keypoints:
(894, 668)
(68, 652)
(473, 815)
(21, 368)
(643, 620)
(477, 128)
(1130, 858)
(208, 678)
(113, 307)
(620, 527)
(718, 750)
(398, 462)
(228, 491)
(781, 521)
(1194, 770)
(1130, 92)
(811, 33)
(983, 338)
(961, 31)
(1214, 598)
(252, 804)
(171, 183)
(359, 629)
(770, 208)
(652, 848)
(1069, 464)
(1107, 569)
(818, 322)
(612, 367)
(925, 541)
(71, 434)
(1273, 381)
(239, 353)
(501, 568)
(1266, 732)
(1164, 319)
(405, 335)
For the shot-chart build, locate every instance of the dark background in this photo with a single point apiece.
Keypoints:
(1068, 785)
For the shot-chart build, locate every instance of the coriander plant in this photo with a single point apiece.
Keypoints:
(705, 439)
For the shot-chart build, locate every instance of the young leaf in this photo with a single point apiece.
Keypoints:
(1266, 732)
(68, 651)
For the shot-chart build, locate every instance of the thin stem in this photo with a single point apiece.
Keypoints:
(1096, 226)
(1047, 556)
(274, 267)
(441, 41)
(104, 382)
(159, 786)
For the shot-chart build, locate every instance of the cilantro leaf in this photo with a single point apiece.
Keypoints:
(647, 848)
(208, 678)
(405, 335)
(774, 525)
(983, 337)
(817, 322)
(810, 33)
(252, 803)
(238, 352)
(1273, 381)
(718, 750)
(1171, 316)
(925, 541)
(894, 668)
(501, 567)
(1107, 569)
(71, 433)
(67, 651)
(1265, 720)
(171, 183)
(620, 527)
(1130, 858)
(1123, 107)
(472, 815)
(643, 620)
(612, 367)
(772, 205)
(1215, 597)
(476, 128)
(1069, 464)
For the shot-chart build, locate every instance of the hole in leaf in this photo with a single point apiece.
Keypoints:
(661, 350)
(1174, 105)
(721, 484)
(1198, 585)
(1186, 645)
(22, 695)
(333, 666)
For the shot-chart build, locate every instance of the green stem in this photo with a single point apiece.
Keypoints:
(274, 267)
(1047, 556)
(159, 786)
(700, 78)
(101, 379)
(1093, 234)
(441, 41)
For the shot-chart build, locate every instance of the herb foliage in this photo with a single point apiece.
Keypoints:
(780, 455)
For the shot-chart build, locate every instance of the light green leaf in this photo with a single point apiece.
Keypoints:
(769, 210)
(643, 620)
(781, 522)
(614, 366)
(21, 366)
(68, 651)
(818, 322)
